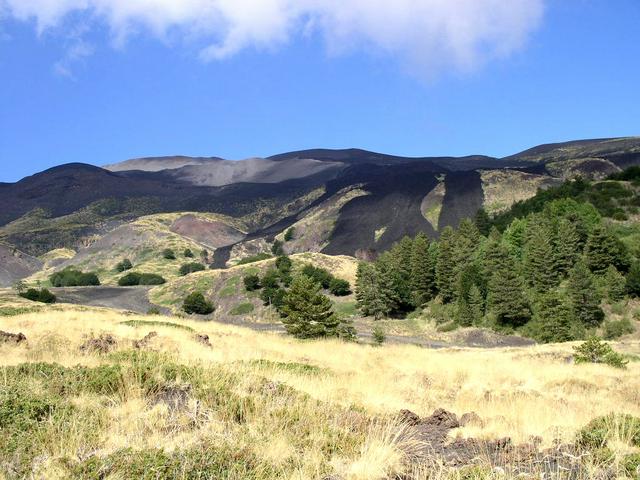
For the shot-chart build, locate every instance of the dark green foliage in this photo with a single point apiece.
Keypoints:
(70, 277)
(242, 309)
(553, 319)
(567, 246)
(254, 258)
(595, 350)
(583, 297)
(422, 270)
(378, 334)
(615, 284)
(604, 249)
(135, 278)
(168, 254)
(42, 296)
(506, 295)
(339, 287)
(188, 253)
(614, 329)
(284, 264)
(272, 293)
(445, 265)
(124, 265)
(318, 275)
(307, 312)
(633, 280)
(369, 297)
(192, 267)
(252, 283)
(277, 248)
(538, 258)
(483, 222)
(599, 430)
(289, 234)
(196, 303)
(153, 311)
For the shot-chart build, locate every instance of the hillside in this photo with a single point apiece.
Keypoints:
(113, 396)
(356, 201)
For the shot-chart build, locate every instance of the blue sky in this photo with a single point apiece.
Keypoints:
(84, 85)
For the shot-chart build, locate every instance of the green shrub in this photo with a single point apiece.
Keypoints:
(135, 278)
(597, 432)
(254, 258)
(192, 267)
(251, 283)
(617, 328)
(631, 465)
(70, 277)
(42, 296)
(168, 254)
(318, 275)
(283, 264)
(276, 248)
(153, 311)
(289, 234)
(188, 253)
(196, 303)
(339, 287)
(124, 265)
(242, 309)
(379, 336)
(595, 350)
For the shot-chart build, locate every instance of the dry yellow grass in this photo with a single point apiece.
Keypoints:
(519, 392)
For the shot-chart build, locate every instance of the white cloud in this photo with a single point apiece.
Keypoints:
(424, 35)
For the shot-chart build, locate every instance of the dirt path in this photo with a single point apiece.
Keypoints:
(134, 299)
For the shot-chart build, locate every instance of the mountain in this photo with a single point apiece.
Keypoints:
(351, 201)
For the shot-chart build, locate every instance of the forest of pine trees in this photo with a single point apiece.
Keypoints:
(545, 274)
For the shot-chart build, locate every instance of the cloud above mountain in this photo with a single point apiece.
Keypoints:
(425, 36)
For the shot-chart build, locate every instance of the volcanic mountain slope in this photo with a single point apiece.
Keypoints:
(341, 201)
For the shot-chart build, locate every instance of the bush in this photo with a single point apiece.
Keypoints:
(277, 249)
(631, 465)
(599, 430)
(254, 258)
(379, 336)
(134, 279)
(70, 277)
(252, 283)
(192, 267)
(318, 275)
(188, 253)
(289, 234)
(124, 265)
(43, 296)
(196, 303)
(168, 254)
(153, 311)
(595, 350)
(617, 328)
(284, 264)
(339, 287)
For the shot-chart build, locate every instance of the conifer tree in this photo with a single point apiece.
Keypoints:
(615, 284)
(464, 315)
(307, 312)
(445, 265)
(584, 298)
(567, 246)
(633, 280)
(483, 222)
(467, 240)
(491, 255)
(476, 305)
(387, 277)
(553, 319)
(514, 237)
(422, 270)
(369, 299)
(539, 269)
(604, 249)
(506, 297)
(399, 272)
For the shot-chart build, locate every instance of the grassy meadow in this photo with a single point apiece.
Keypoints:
(261, 405)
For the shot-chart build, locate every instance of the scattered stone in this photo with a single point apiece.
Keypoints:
(174, 396)
(407, 417)
(144, 341)
(103, 344)
(6, 337)
(204, 339)
(471, 418)
(442, 419)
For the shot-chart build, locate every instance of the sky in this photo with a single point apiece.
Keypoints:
(102, 81)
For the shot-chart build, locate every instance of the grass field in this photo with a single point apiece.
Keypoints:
(259, 405)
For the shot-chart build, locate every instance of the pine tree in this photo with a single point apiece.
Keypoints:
(399, 270)
(422, 270)
(567, 246)
(476, 305)
(615, 284)
(514, 237)
(483, 222)
(585, 301)
(633, 280)
(539, 269)
(445, 265)
(506, 297)
(604, 249)
(464, 314)
(467, 240)
(387, 277)
(553, 319)
(369, 299)
(307, 312)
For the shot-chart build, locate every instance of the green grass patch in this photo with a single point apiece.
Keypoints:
(156, 323)
(294, 367)
(345, 309)
(254, 258)
(242, 309)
